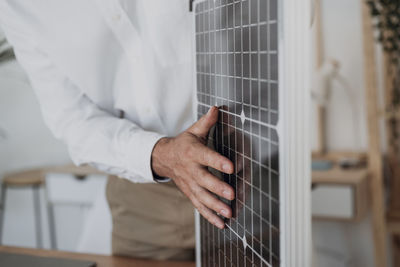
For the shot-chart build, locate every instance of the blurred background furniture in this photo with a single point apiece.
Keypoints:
(356, 187)
(80, 210)
(35, 179)
(340, 194)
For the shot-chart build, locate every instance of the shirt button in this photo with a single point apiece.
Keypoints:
(116, 17)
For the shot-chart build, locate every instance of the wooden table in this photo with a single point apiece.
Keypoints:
(101, 260)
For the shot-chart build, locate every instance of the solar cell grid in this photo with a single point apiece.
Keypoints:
(237, 69)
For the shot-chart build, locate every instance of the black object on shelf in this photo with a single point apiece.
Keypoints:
(21, 260)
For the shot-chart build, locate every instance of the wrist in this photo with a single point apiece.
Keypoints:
(159, 158)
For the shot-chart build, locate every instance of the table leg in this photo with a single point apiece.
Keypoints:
(37, 214)
(2, 209)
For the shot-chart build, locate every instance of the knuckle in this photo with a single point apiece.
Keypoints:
(212, 202)
(210, 216)
(204, 212)
(219, 187)
(206, 215)
(210, 182)
(204, 157)
(197, 173)
(184, 150)
(188, 151)
(207, 156)
(215, 206)
(207, 179)
(198, 193)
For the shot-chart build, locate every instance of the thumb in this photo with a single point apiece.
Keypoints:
(203, 125)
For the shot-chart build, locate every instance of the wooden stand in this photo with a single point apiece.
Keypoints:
(354, 179)
(374, 151)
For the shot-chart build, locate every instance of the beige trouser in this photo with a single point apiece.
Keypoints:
(150, 220)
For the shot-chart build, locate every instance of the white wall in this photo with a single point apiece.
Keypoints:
(337, 243)
(30, 144)
(342, 33)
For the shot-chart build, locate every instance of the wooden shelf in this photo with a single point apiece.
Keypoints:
(338, 155)
(337, 175)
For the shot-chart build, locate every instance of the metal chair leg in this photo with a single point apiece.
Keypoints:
(52, 220)
(37, 214)
(52, 226)
(2, 209)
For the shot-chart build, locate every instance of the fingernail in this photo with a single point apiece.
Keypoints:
(227, 194)
(219, 224)
(209, 111)
(226, 168)
(225, 213)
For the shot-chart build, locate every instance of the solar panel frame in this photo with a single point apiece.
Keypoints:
(245, 116)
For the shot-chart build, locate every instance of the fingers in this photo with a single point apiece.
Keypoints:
(202, 209)
(204, 124)
(208, 157)
(205, 179)
(210, 201)
(201, 153)
(208, 214)
(191, 176)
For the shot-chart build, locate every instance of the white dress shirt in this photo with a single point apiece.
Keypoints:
(91, 61)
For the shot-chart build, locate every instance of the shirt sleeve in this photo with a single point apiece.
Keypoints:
(93, 136)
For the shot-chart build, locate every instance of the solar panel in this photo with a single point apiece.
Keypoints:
(237, 70)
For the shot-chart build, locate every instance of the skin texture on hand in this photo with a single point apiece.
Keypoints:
(185, 159)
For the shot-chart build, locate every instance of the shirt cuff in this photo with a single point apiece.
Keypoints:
(139, 153)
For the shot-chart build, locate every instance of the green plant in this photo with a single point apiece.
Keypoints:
(386, 14)
(386, 20)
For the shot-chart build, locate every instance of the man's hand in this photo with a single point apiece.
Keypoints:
(185, 159)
